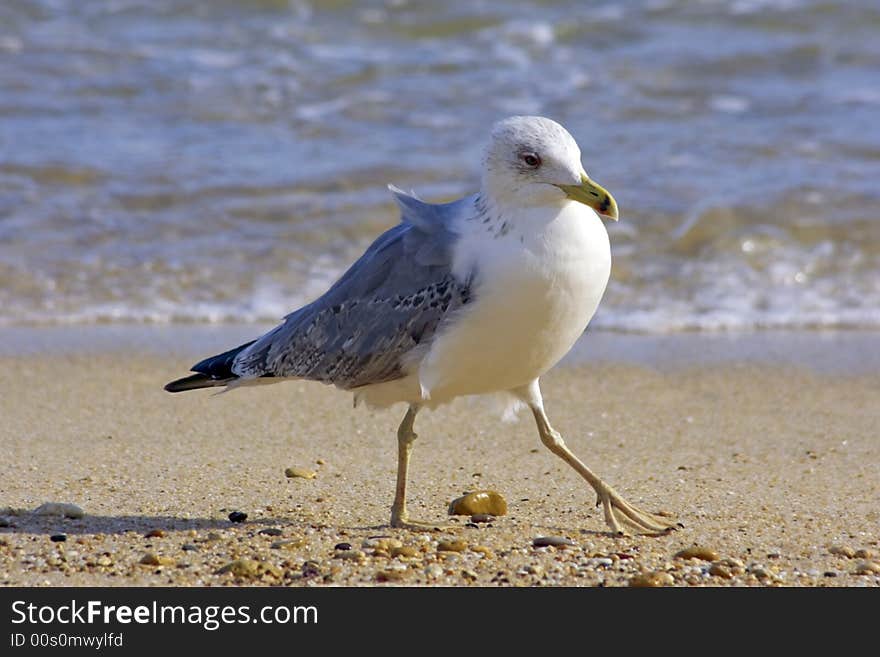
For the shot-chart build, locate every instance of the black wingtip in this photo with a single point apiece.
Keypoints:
(211, 372)
(195, 382)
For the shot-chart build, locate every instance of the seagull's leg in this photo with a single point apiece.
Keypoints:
(616, 508)
(405, 438)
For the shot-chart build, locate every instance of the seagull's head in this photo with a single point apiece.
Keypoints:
(531, 160)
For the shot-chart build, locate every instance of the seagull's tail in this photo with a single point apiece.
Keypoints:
(211, 372)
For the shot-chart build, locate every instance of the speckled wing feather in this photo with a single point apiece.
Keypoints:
(390, 301)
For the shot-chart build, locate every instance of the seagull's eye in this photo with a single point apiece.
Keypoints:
(532, 160)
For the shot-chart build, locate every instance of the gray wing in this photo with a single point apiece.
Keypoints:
(391, 300)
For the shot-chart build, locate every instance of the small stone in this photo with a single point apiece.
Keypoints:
(535, 569)
(469, 575)
(390, 575)
(151, 559)
(865, 553)
(404, 552)
(63, 509)
(4, 522)
(453, 545)
(270, 531)
(485, 551)
(554, 541)
(697, 552)
(155, 533)
(350, 555)
(249, 568)
(842, 551)
(652, 580)
(599, 562)
(58, 538)
(720, 570)
(237, 516)
(434, 571)
(300, 473)
(189, 547)
(735, 564)
(311, 569)
(342, 546)
(385, 543)
(487, 502)
(104, 560)
(482, 517)
(867, 568)
(761, 573)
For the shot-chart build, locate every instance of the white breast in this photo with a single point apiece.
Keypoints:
(537, 287)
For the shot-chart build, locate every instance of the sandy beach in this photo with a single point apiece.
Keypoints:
(770, 466)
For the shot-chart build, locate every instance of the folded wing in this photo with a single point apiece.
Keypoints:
(391, 301)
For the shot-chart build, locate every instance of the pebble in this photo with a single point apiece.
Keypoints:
(720, 570)
(151, 559)
(482, 517)
(237, 516)
(733, 563)
(865, 553)
(350, 555)
(270, 531)
(405, 551)
(454, 545)
(58, 538)
(342, 546)
(554, 541)
(652, 580)
(104, 560)
(63, 509)
(761, 573)
(155, 533)
(189, 547)
(4, 522)
(597, 562)
(249, 568)
(488, 502)
(843, 551)
(300, 473)
(434, 571)
(311, 569)
(390, 575)
(381, 543)
(485, 551)
(469, 575)
(867, 568)
(697, 552)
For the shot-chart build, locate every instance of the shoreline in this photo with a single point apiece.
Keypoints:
(835, 352)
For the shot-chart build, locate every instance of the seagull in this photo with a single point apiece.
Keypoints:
(481, 295)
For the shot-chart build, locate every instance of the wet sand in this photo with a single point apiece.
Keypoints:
(771, 466)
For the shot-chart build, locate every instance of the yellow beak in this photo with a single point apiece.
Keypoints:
(592, 195)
